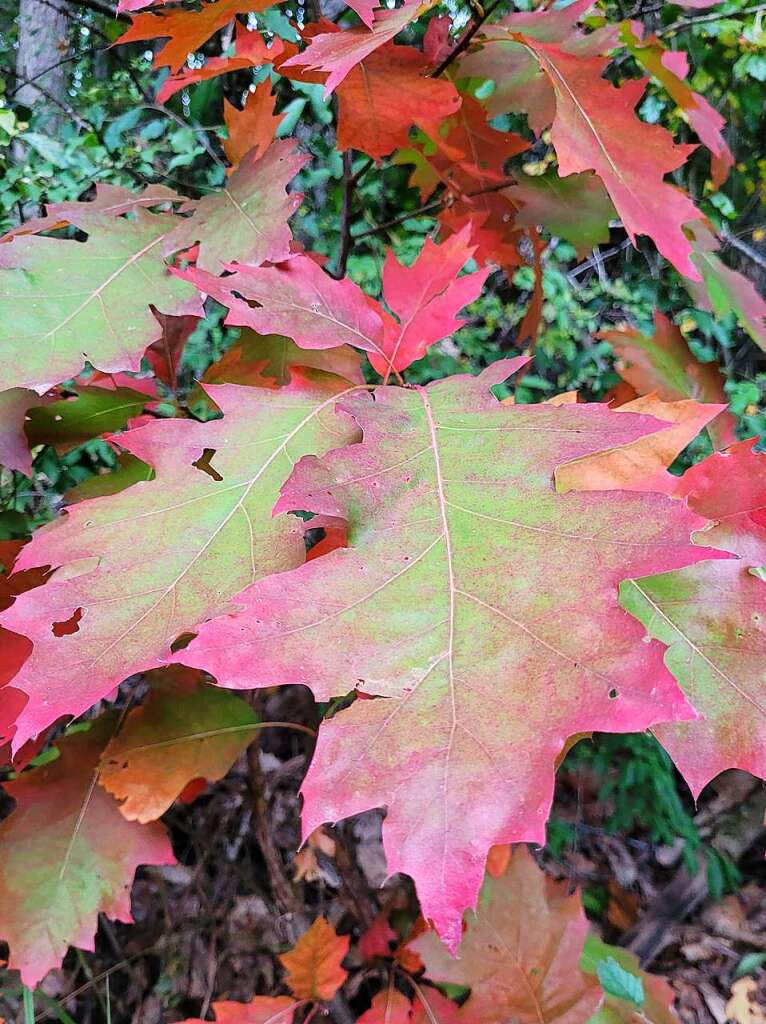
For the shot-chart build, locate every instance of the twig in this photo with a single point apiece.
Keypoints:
(51, 67)
(280, 887)
(431, 207)
(465, 40)
(197, 129)
(683, 23)
(100, 8)
(747, 250)
(597, 259)
(69, 111)
(346, 241)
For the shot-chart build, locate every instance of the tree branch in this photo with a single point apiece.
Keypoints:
(346, 241)
(683, 23)
(100, 8)
(465, 40)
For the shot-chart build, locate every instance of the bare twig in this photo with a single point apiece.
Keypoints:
(747, 250)
(346, 240)
(683, 23)
(100, 8)
(280, 887)
(465, 40)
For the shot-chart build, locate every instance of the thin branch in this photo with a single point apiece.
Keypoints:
(282, 891)
(51, 67)
(432, 207)
(683, 23)
(747, 250)
(597, 260)
(465, 40)
(100, 8)
(197, 129)
(69, 111)
(346, 240)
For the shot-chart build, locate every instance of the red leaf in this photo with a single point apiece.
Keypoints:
(164, 356)
(670, 67)
(425, 298)
(338, 53)
(376, 940)
(642, 465)
(250, 50)
(402, 611)
(730, 488)
(299, 299)
(261, 1010)
(14, 446)
(595, 128)
(389, 1007)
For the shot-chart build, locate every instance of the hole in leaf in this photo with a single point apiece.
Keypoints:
(181, 642)
(203, 464)
(68, 626)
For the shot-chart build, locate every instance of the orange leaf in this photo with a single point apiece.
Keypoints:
(314, 965)
(254, 125)
(520, 952)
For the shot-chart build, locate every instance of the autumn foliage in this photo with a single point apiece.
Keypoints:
(489, 579)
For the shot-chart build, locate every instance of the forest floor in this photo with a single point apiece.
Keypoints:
(211, 927)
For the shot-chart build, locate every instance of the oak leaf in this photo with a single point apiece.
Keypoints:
(102, 288)
(298, 299)
(196, 522)
(186, 30)
(663, 363)
(389, 1007)
(264, 360)
(712, 619)
(520, 952)
(425, 297)
(164, 356)
(15, 405)
(595, 128)
(253, 126)
(670, 67)
(185, 730)
(91, 412)
(576, 207)
(738, 509)
(642, 464)
(313, 965)
(67, 854)
(338, 53)
(384, 95)
(458, 544)
(519, 83)
(250, 50)
(722, 290)
(110, 200)
(246, 220)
